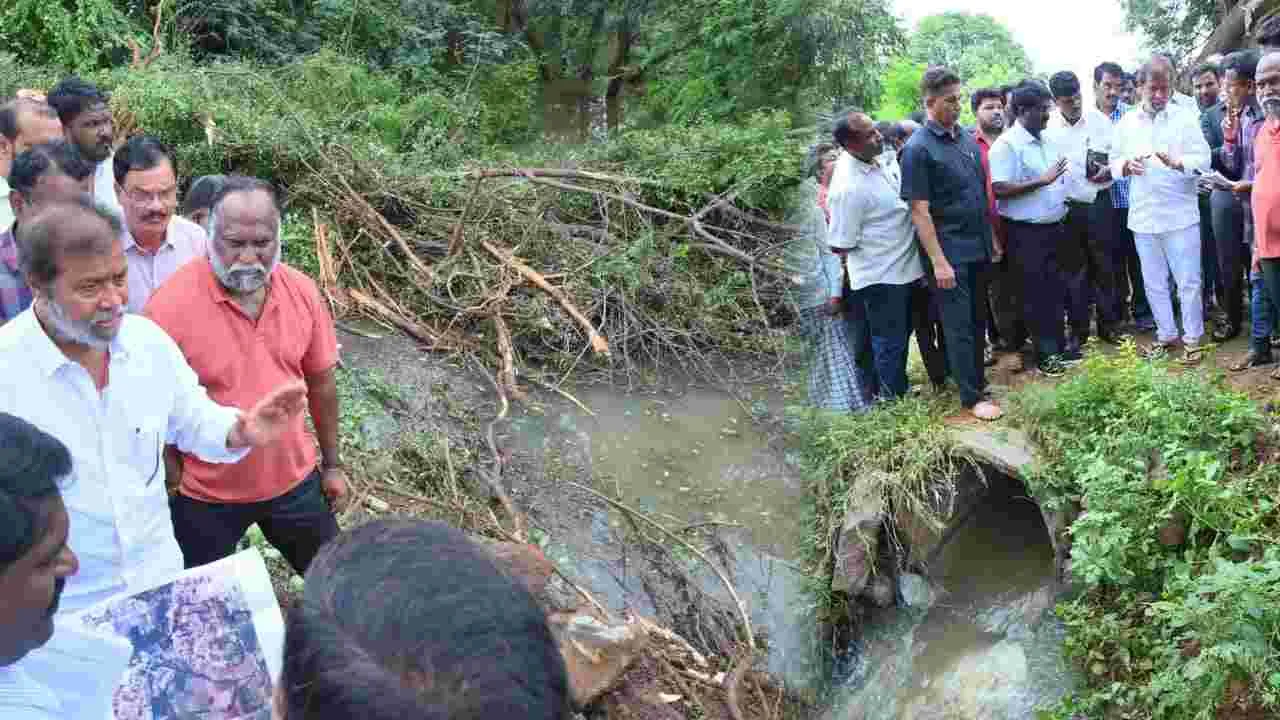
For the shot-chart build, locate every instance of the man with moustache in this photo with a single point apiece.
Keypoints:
(156, 240)
(1265, 196)
(1027, 177)
(85, 113)
(23, 123)
(1216, 213)
(114, 389)
(1086, 254)
(871, 230)
(1161, 149)
(262, 323)
(945, 184)
(1005, 306)
(42, 174)
(35, 561)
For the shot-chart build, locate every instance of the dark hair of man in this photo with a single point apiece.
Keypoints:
(408, 619)
(73, 96)
(819, 152)
(1268, 33)
(202, 192)
(887, 129)
(982, 94)
(1107, 68)
(39, 160)
(142, 152)
(11, 110)
(1244, 63)
(842, 129)
(937, 79)
(1029, 93)
(51, 234)
(32, 466)
(1064, 84)
(918, 117)
(1206, 67)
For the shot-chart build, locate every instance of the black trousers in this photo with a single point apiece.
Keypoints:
(297, 523)
(1228, 233)
(1211, 286)
(1087, 261)
(1003, 284)
(1132, 295)
(1034, 250)
(926, 323)
(964, 323)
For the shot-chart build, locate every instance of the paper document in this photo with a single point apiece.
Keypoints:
(90, 667)
(208, 643)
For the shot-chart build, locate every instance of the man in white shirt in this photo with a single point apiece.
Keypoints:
(157, 241)
(114, 389)
(871, 228)
(1162, 149)
(85, 112)
(35, 560)
(1027, 178)
(1083, 135)
(23, 124)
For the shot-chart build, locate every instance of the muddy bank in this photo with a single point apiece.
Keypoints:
(702, 464)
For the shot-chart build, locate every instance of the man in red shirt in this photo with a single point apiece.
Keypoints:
(1266, 183)
(245, 322)
(1004, 307)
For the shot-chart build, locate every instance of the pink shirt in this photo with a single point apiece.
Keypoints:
(239, 361)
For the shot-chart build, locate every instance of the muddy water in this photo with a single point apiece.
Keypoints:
(981, 643)
(687, 456)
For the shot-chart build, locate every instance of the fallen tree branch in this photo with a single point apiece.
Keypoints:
(364, 208)
(507, 374)
(430, 337)
(724, 579)
(598, 343)
(563, 173)
(733, 681)
(494, 477)
(455, 240)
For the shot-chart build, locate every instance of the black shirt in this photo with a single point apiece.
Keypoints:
(945, 169)
(1211, 127)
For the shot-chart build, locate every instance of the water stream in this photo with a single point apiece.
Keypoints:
(976, 642)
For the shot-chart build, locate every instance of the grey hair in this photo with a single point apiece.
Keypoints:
(235, 184)
(43, 239)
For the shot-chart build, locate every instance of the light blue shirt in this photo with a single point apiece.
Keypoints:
(22, 698)
(115, 497)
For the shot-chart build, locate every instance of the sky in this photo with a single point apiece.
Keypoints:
(1073, 35)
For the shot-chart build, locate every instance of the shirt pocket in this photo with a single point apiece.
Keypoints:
(144, 448)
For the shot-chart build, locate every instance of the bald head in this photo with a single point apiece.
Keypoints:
(1267, 83)
(856, 132)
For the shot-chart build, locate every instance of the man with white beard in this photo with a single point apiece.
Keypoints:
(1265, 197)
(261, 323)
(114, 389)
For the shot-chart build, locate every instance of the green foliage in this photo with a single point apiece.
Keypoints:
(1162, 631)
(1180, 26)
(967, 43)
(84, 35)
(901, 95)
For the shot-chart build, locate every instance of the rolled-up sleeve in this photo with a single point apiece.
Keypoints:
(198, 425)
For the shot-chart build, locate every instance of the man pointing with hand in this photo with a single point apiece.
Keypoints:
(946, 187)
(114, 389)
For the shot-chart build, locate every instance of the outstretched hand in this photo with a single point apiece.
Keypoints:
(267, 420)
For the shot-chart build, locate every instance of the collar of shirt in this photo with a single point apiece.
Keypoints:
(44, 353)
(132, 245)
(9, 249)
(219, 294)
(1018, 135)
(936, 128)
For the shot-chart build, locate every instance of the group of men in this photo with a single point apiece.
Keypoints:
(1049, 222)
(157, 374)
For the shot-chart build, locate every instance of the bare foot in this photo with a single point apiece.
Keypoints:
(987, 411)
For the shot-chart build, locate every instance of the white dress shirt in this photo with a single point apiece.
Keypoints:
(870, 219)
(22, 698)
(184, 241)
(1018, 157)
(1092, 132)
(104, 187)
(116, 497)
(1162, 200)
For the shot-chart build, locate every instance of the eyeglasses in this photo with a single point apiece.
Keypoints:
(142, 197)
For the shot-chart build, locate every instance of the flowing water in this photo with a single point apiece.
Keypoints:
(976, 642)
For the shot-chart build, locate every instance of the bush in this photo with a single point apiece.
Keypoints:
(1167, 626)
